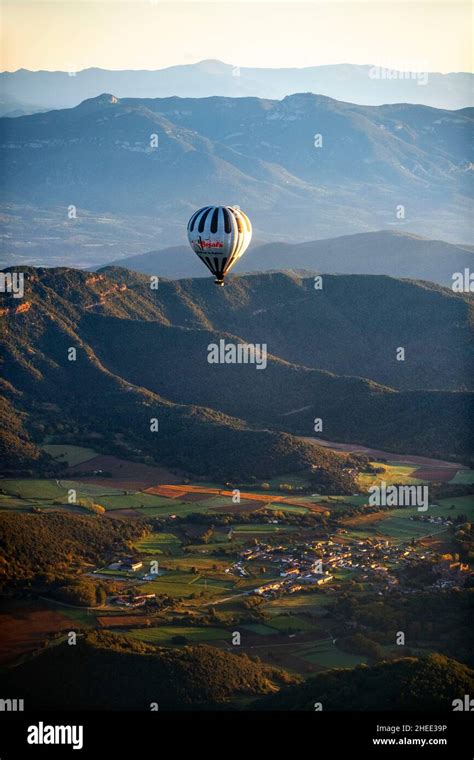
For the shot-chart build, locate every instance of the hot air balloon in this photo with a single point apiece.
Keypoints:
(219, 235)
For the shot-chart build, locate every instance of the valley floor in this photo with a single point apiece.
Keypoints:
(251, 568)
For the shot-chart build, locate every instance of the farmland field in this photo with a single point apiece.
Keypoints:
(282, 507)
(159, 543)
(326, 655)
(285, 628)
(102, 489)
(260, 628)
(25, 625)
(185, 585)
(217, 501)
(464, 476)
(33, 490)
(450, 507)
(163, 635)
(396, 523)
(392, 474)
(13, 503)
(300, 602)
(219, 584)
(290, 623)
(124, 473)
(463, 505)
(203, 564)
(72, 455)
(438, 474)
(138, 500)
(122, 621)
(403, 529)
(169, 506)
(263, 528)
(175, 584)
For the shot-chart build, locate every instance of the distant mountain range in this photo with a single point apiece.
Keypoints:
(396, 254)
(367, 85)
(142, 355)
(401, 167)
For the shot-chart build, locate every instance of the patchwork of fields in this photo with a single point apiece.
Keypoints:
(206, 583)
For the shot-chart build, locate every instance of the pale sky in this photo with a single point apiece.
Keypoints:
(433, 35)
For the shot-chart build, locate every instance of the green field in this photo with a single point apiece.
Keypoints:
(354, 501)
(88, 489)
(301, 602)
(149, 505)
(159, 543)
(32, 489)
(185, 585)
(263, 528)
(464, 476)
(12, 503)
(260, 628)
(22, 493)
(463, 505)
(173, 507)
(216, 584)
(402, 528)
(175, 584)
(150, 512)
(450, 507)
(393, 474)
(327, 655)
(134, 500)
(293, 480)
(54, 493)
(163, 635)
(396, 523)
(72, 455)
(290, 623)
(281, 507)
(202, 564)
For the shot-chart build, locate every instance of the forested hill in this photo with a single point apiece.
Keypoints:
(105, 668)
(426, 683)
(141, 354)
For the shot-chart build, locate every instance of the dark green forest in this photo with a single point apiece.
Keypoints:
(108, 669)
(141, 355)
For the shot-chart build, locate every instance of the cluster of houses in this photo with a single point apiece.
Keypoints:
(440, 520)
(317, 563)
(293, 582)
(238, 569)
(450, 574)
(133, 600)
(299, 567)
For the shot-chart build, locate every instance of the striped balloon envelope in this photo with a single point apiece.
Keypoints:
(219, 235)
